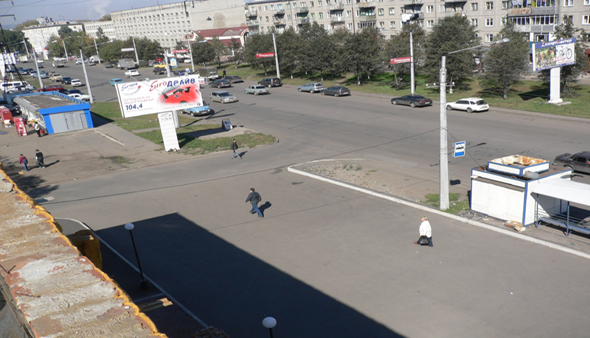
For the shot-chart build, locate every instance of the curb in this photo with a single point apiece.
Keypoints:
(434, 211)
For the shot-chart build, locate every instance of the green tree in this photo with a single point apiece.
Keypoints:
(569, 74)
(26, 24)
(318, 49)
(14, 41)
(111, 51)
(101, 36)
(288, 44)
(106, 17)
(202, 52)
(180, 45)
(451, 34)
(237, 52)
(259, 43)
(339, 61)
(147, 49)
(362, 51)
(399, 46)
(219, 49)
(506, 62)
(64, 31)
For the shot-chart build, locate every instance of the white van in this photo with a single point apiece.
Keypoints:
(13, 86)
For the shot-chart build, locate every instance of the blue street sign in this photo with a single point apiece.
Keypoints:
(459, 149)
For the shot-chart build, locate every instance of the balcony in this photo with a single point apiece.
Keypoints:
(454, 1)
(367, 4)
(451, 13)
(338, 7)
(413, 2)
(544, 10)
(252, 12)
(519, 11)
(278, 22)
(301, 21)
(252, 23)
(542, 28)
(280, 12)
(368, 18)
(336, 19)
(302, 10)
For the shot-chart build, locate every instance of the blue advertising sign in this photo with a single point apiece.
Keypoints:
(552, 54)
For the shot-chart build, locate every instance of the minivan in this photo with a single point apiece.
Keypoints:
(12, 86)
(271, 82)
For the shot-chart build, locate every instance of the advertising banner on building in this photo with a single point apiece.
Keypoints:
(160, 95)
(552, 54)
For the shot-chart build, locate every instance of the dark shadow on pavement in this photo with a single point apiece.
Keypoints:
(265, 206)
(229, 288)
(99, 120)
(30, 183)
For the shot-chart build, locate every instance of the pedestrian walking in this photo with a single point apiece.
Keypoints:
(425, 231)
(23, 160)
(39, 158)
(234, 147)
(255, 199)
(224, 73)
(38, 129)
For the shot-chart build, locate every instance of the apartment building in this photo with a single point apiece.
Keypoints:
(108, 29)
(536, 17)
(40, 34)
(170, 23)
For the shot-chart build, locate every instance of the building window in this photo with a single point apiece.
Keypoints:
(567, 18)
(392, 10)
(272, 7)
(392, 24)
(288, 6)
(430, 23)
(294, 5)
(505, 4)
(380, 12)
(381, 24)
(489, 37)
(311, 4)
(503, 21)
(320, 3)
(303, 4)
(489, 22)
(586, 2)
(348, 14)
(267, 19)
(312, 16)
(441, 8)
(265, 8)
(489, 5)
(474, 6)
(320, 15)
(474, 22)
(357, 13)
(349, 26)
(429, 9)
(568, 3)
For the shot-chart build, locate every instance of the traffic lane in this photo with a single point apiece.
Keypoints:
(354, 251)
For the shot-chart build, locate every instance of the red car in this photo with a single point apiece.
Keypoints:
(51, 88)
(185, 94)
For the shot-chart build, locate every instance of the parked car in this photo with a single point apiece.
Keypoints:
(74, 91)
(40, 63)
(33, 73)
(66, 80)
(55, 77)
(412, 101)
(336, 91)
(131, 72)
(234, 78)
(115, 81)
(220, 83)
(76, 83)
(312, 87)
(256, 89)
(51, 88)
(108, 65)
(182, 72)
(181, 95)
(271, 82)
(79, 61)
(198, 111)
(43, 75)
(222, 97)
(578, 161)
(81, 97)
(159, 70)
(469, 104)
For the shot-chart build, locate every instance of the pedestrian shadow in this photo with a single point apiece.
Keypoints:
(52, 163)
(265, 206)
(243, 153)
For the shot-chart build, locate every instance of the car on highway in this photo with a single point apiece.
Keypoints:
(108, 65)
(33, 73)
(578, 162)
(256, 89)
(336, 91)
(312, 87)
(182, 72)
(220, 83)
(79, 61)
(270, 82)
(115, 81)
(81, 97)
(51, 88)
(234, 78)
(74, 91)
(469, 104)
(412, 101)
(159, 70)
(66, 80)
(43, 75)
(182, 95)
(40, 63)
(198, 111)
(131, 72)
(55, 77)
(76, 83)
(222, 97)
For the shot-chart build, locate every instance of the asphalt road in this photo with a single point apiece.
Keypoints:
(330, 262)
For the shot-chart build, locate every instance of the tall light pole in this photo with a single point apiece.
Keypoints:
(97, 54)
(37, 65)
(86, 77)
(444, 156)
(190, 49)
(64, 42)
(135, 49)
(143, 281)
(276, 55)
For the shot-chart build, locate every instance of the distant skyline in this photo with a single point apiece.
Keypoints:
(68, 10)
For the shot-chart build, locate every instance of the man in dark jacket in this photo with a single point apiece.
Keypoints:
(39, 157)
(255, 199)
(234, 147)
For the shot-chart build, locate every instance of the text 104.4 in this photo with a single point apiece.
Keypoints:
(133, 106)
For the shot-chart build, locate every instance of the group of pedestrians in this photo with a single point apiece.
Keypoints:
(38, 157)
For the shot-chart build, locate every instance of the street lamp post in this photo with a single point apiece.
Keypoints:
(97, 54)
(190, 49)
(64, 42)
(86, 77)
(269, 323)
(135, 49)
(444, 156)
(130, 226)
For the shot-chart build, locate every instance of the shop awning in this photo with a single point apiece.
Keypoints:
(565, 190)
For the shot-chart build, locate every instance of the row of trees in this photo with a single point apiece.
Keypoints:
(313, 49)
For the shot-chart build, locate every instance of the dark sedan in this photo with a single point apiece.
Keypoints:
(412, 101)
(220, 83)
(578, 162)
(336, 91)
(234, 78)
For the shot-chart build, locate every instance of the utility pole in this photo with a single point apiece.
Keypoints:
(64, 42)
(190, 49)
(135, 49)
(97, 54)
(444, 157)
(37, 65)
(86, 77)
(353, 27)
(276, 55)
(412, 81)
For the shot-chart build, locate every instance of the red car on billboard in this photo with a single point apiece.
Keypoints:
(187, 94)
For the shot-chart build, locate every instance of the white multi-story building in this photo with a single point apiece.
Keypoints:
(536, 17)
(39, 35)
(108, 29)
(170, 23)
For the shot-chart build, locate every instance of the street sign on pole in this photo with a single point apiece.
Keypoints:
(127, 49)
(405, 59)
(459, 149)
(265, 55)
(178, 51)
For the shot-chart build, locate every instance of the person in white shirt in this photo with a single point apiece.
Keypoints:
(425, 231)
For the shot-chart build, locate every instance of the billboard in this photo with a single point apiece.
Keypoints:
(265, 55)
(160, 95)
(552, 54)
(404, 59)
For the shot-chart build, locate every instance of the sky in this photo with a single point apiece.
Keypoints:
(69, 10)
